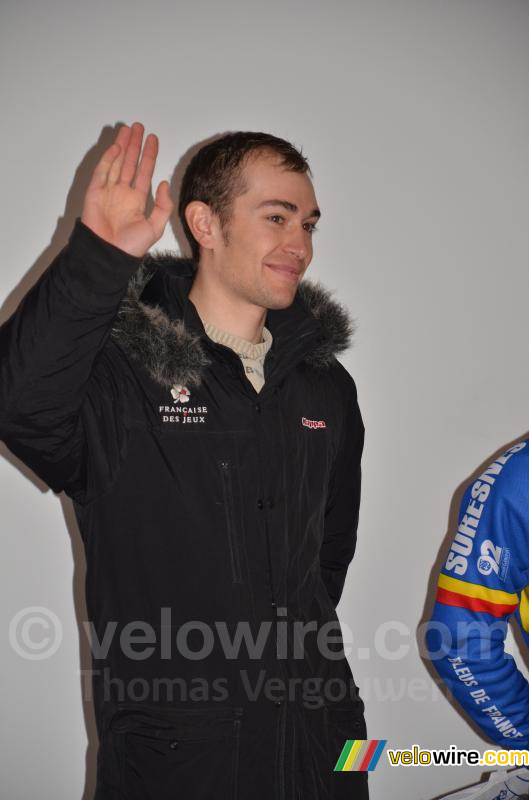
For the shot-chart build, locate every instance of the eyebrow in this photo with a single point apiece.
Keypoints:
(289, 206)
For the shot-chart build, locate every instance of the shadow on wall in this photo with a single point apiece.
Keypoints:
(65, 223)
(452, 524)
(74, 205)
(72, 210)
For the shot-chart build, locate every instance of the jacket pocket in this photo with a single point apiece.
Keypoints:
(345, 720)
(226, 477)
(169, 753)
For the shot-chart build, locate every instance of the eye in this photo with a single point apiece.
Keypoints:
(310, 227)
(276, 218)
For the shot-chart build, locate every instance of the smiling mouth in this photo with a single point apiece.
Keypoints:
(290, 273)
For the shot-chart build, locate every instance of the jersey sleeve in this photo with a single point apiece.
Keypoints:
(343, 501)
(482, 584)
(53, 381)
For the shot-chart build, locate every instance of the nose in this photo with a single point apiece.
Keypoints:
(297, 243)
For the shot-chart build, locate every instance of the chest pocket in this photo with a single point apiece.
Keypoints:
(228, 476)
(313, 435)
(199, 485)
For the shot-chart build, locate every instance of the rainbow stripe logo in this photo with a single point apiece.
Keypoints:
(360, 755)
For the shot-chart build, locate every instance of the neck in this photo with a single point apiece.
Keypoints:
(226, 311)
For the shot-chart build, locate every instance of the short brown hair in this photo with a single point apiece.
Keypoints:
(214, 174)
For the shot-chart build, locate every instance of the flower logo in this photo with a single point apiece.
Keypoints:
(180, 393)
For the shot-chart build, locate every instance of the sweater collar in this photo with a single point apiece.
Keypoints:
(242, 347)
(158, 325)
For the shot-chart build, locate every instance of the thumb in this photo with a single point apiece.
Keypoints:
(163, 208)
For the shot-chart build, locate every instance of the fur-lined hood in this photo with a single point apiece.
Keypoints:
(150, 324)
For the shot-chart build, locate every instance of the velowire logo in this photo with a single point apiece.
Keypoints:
(360, 755)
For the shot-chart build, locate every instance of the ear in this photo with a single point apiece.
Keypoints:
(203, 223)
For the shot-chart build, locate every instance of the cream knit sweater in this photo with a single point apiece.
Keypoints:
(252, 355)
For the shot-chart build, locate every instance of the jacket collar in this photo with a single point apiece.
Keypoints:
(158, 325)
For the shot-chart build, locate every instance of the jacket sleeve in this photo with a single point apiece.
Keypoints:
(343, 500)
(49, 350)
(483, 583)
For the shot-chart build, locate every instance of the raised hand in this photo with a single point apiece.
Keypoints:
(114, 204)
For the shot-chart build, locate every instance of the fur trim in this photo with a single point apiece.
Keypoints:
(169, 351)
(172, 354)
(336, 326)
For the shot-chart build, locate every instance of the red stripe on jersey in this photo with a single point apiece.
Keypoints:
(474, 603)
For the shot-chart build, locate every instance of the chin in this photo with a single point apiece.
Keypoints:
(277, 302)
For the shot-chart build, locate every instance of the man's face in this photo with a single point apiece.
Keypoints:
(267, 242)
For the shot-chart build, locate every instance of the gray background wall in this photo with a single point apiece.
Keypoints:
(415, 117)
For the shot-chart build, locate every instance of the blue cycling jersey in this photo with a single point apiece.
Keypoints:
(484, 581)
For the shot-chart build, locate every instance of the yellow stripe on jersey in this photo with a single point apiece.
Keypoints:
(475, 590)
(524, 608)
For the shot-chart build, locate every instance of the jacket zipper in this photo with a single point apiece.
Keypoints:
(227, 492)
(281, 753)
(235, 787)
(280, 757)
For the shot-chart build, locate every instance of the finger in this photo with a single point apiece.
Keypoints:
(163, 208)
(100, 174)
(147, 164)
(132, 153)
(122, 139)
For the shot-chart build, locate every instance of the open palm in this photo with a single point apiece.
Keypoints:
(115, 201)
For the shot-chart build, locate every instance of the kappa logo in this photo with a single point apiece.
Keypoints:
(313, 423)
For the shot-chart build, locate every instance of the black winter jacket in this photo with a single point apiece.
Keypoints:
(208, 512)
